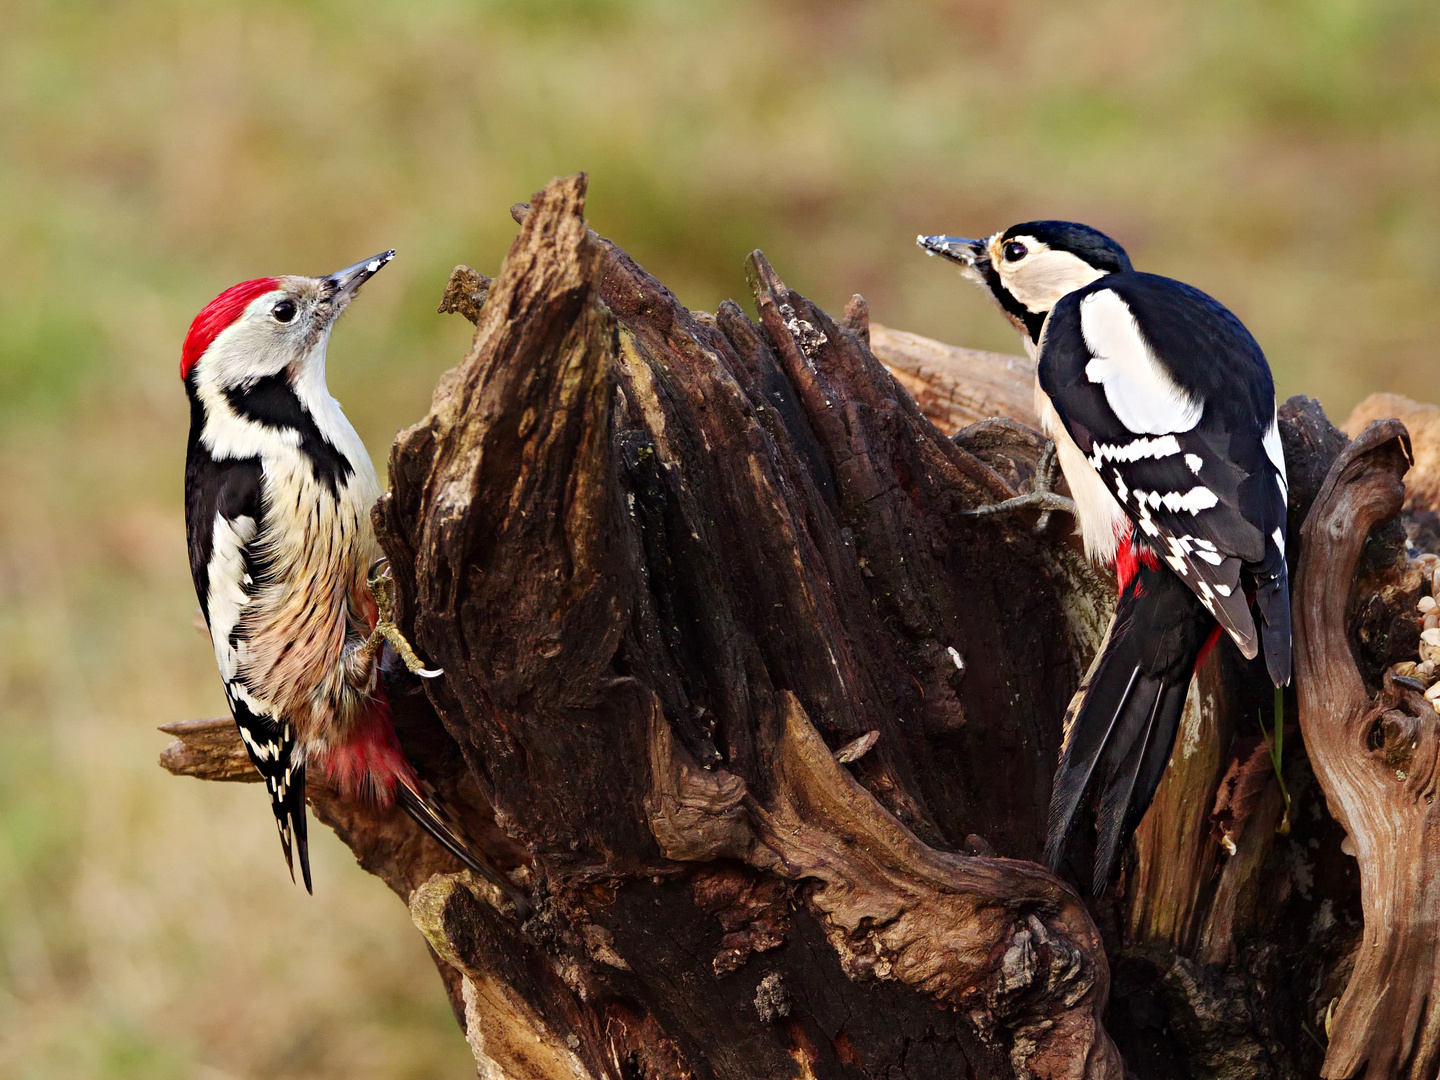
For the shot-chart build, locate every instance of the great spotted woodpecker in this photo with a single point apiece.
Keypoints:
(278, 491)
(1162, 411)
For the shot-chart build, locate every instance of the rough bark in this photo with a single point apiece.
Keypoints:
(1376, 759)
(767, 725)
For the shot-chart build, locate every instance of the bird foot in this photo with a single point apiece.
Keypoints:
(1041, 496)
(382, 585)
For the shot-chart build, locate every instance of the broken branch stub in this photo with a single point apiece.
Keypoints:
(207, 750)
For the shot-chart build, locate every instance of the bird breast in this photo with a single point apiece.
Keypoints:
(1101, 520)
(313, 603)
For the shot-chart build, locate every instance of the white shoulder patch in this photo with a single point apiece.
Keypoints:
(1137, 386)
(227, 589)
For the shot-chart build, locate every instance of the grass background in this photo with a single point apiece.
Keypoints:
(1282, 155)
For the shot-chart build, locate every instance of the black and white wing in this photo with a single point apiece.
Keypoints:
(223, 513)
(1171, 401)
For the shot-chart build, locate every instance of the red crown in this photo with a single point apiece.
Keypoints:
(218, 314)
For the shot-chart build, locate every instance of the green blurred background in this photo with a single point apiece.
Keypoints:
(1282, 155)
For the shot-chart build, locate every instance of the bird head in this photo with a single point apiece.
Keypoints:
(268, 326)
(1029, 267)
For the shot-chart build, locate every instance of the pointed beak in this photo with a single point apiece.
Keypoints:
(343, 284)
(957, 249)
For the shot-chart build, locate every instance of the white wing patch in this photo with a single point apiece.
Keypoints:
(1137, 387)
(1189, 502)
(227, 593)
(1164, 446)
(1179, 548)
(265, 751)
(1147, 523)
(1195, 461)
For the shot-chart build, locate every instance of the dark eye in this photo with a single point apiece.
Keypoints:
(284, 311)
(1015, 251)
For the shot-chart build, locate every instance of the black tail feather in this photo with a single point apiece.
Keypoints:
(1272, 597)
(1081, 753)
(1123, 727)
(428, 816)
(1121, 778)
(295, 810)
(271, 744)
(287, 803)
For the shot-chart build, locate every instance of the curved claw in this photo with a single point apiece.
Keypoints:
(1041, 500)
(1041, 496)
(382, 586)
(391, 633)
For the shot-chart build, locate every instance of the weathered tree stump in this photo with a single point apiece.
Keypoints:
(766, 724)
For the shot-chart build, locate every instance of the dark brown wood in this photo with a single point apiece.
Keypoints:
(670, 564)
(1376, 759)
(767, 725)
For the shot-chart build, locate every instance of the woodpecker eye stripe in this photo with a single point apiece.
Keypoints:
(284, 311)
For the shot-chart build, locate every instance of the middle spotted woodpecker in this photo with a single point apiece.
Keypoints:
(278, 491)
(1162, 411)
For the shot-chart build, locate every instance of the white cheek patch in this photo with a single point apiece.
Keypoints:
(1137, 387)
(228, 436)
(1040, 279)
